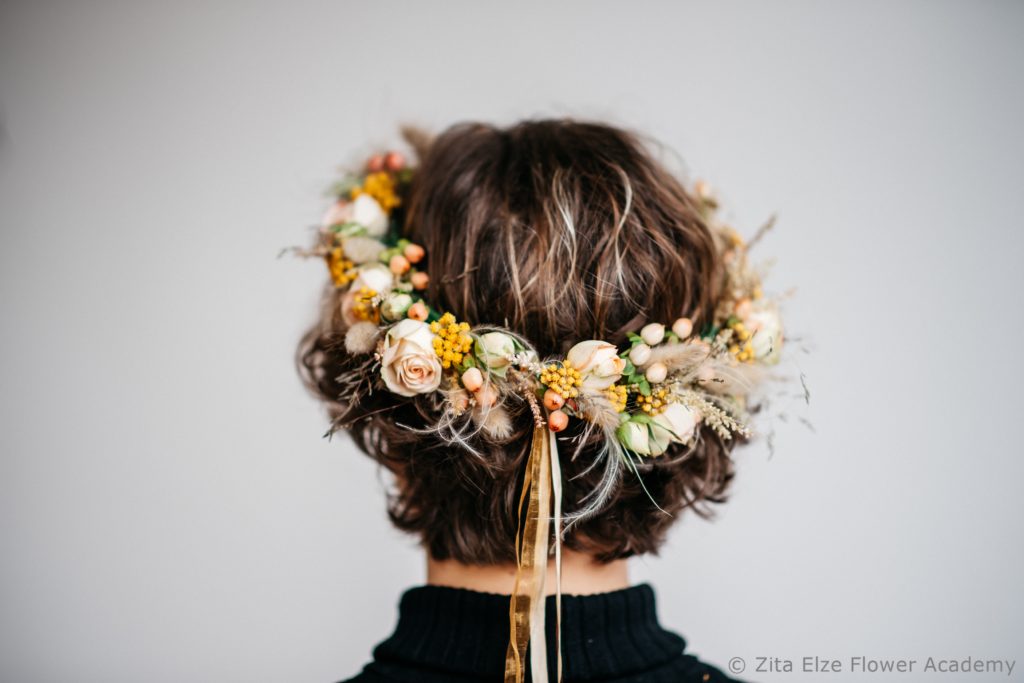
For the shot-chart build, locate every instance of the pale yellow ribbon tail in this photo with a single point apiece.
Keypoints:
(542, 497)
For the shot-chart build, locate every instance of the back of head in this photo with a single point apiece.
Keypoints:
(559, 231)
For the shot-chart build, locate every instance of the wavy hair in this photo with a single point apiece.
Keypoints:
(559, 231)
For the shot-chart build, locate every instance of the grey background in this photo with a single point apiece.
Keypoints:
(168, 511)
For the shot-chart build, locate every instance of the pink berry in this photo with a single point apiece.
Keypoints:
(394, 161)
(399, 264)
(557, 421)
(420, 280)
(414, 253)
(553, 400)
(472, 379)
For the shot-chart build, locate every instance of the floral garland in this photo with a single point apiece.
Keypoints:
(658, 392)
(655, 393)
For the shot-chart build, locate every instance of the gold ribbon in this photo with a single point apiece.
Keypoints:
(542, 482)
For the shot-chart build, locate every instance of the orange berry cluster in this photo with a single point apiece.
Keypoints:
(342, 269)
(561, 378)
(451, 343)
(617, 395)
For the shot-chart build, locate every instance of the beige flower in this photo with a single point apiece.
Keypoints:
(363, 249)
(408, 363)
(598, 362)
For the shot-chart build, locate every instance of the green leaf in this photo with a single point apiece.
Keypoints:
(645, 387)
(349, 229)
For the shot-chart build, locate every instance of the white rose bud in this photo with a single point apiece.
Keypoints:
(635, 437)
(640, 354)
(408, 363)
(598, 362)
(656, 373)
(675, 423)
(653, 333)
(394, 307)
(496, 349)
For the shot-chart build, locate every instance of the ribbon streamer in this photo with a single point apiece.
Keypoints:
(556, 492)
(542, 482)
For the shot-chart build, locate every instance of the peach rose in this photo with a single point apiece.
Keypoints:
(408, 363)
(598, 362)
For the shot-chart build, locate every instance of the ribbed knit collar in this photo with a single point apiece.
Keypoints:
(463, 632)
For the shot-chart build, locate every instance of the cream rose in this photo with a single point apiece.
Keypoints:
(598, 362)
(496, 349)
(367, 212)
(653, 435)
(394, 307)
(408, 363)
(675, 423)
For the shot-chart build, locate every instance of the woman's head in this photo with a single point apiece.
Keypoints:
(560, 231)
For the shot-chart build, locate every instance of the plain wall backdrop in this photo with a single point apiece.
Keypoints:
(168, 510)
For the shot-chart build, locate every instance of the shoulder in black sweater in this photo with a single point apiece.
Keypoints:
(451, 635)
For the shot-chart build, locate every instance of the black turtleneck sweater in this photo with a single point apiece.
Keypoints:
(449, 635)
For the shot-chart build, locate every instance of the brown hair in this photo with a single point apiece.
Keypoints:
(561, 231)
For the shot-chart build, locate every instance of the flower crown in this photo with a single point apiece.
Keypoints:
(657, 392)
(671, 380)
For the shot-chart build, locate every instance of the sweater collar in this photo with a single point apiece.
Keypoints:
(460, 631)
